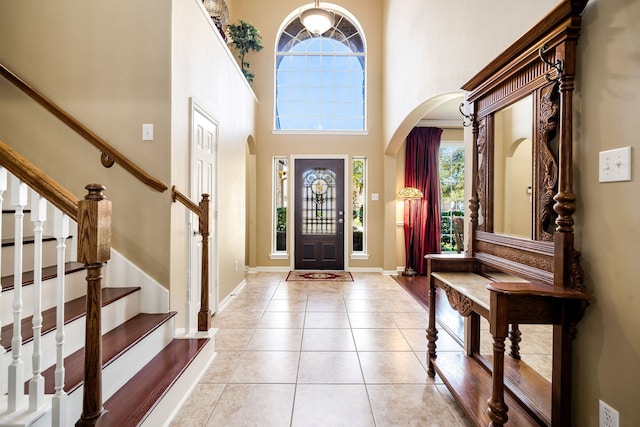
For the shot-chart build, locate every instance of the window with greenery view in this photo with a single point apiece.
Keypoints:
(451, 192)
(280, 171)
(358, 203)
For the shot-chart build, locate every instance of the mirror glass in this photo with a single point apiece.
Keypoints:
(513, 169)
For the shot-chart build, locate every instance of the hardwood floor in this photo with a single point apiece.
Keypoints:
(448, 318)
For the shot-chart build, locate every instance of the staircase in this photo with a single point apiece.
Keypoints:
(147, 371)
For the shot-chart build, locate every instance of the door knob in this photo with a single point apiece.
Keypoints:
(341, 220)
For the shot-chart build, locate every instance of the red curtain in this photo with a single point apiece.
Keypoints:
(422, 172)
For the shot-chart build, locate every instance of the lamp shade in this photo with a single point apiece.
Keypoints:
(317, 20)
(409, 193)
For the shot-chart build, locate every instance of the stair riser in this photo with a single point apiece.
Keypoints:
(124, 368)
(75, 285)
(113, 315)
(49, 256)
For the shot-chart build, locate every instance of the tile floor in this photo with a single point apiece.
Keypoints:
(321, 354)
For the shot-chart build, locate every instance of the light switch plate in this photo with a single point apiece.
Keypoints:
(374, 196)
(147, 131)
(615, 165)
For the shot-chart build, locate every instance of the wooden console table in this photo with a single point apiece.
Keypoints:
(503, 304)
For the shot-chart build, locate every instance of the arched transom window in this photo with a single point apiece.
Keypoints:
(320, 81)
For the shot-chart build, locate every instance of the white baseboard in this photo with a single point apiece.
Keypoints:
(223, 304)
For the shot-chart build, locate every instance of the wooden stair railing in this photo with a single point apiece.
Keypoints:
(109, 154)
(93, 215)
(202, 210)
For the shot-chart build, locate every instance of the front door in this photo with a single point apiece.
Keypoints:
(319, 214)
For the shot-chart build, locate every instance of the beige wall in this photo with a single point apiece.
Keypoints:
(433, 47)
(74, 55)
(607, 220)
(204, 70)
(268, 20)
(80, 54)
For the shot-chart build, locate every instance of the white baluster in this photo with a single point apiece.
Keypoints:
(3, 367)
(16, 368)
(189, 303)
(36, 384)
(61, 233)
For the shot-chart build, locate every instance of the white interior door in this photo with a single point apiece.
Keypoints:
(204, 147)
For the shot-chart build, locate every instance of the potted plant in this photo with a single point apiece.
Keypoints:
(244, 38)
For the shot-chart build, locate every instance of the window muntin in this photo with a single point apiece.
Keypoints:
(320, 81)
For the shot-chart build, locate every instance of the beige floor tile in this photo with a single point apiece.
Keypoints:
(327, 340)
(324, 304)
(338, 367)
(293, 294)
(278, 339)
(282, 319)
(287, 305)
(416, 338)
(367, 306)
(372, 320)
(243, 303)
(259, 367)
(316, 320)
(198, 407)
(418, 320)
(221, 368)
(380, 340)
(332, 405)
(236, 319)
(392, 368)
(275, 339)
(410, 405)
(232, 339)
(264, 405)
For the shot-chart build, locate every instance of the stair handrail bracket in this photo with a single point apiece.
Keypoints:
(109, 154)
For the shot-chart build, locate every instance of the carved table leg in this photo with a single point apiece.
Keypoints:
(499, 327)
(497, 408)
(515, 338)
(432, 332)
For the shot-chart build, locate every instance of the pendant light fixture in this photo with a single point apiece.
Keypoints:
(317, 20)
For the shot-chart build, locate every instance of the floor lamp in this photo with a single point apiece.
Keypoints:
(410, 194)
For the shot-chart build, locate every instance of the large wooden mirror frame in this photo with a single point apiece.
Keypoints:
(541, 64)
(538, 68)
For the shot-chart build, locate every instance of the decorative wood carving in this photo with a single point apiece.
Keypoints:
(481, 186)
(548, 162)
(458, 301)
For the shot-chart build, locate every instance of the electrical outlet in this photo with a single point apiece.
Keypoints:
(609, 417)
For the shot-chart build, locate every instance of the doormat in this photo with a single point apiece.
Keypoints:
(334, 276)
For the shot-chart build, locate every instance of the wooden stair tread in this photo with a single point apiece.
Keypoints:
(470, 384)
(114, 343)
(130, 405)
(49, 272)
(73, 310)
(26, 240)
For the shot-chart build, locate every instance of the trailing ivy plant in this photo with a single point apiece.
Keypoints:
(245, 38)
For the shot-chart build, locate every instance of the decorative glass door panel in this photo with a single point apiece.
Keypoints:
(319, 214)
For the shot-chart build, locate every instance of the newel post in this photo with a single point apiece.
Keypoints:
(204, 315)
(94, 249)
